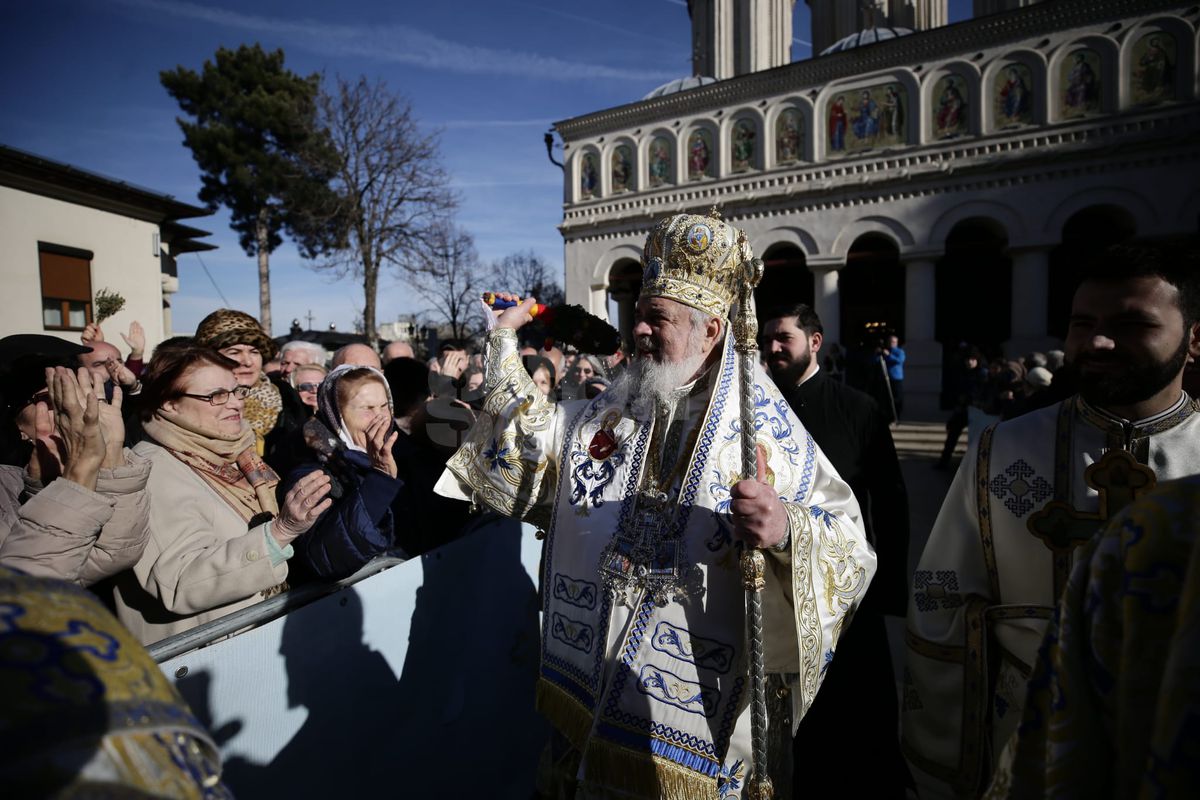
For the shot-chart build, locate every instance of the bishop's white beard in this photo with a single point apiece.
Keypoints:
(647, 382)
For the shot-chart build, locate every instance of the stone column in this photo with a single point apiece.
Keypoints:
(1030, 291)
(923, 362)
(826, 300)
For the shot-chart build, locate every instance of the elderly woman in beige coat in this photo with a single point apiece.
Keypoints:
(219, 540)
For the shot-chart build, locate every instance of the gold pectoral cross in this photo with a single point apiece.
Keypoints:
(1118, 479)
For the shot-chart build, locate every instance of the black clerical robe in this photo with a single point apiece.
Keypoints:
(851, 429)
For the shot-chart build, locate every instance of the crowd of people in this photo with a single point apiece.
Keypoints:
(186, 483)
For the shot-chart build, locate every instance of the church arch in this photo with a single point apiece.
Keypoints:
(973, 302)
(603, 266)
(871, 288)
(1133, 53)
(624, 281)
(742, 142)
(620, 167)
(1001, 215)
(798, 237)
(936, 120)
(844, 94)
(1085, 233)
(659, 152)
(786, 278)
(1004, 80)
(885, 226)
(1137, 207)
(780, 117)
(1061, 63)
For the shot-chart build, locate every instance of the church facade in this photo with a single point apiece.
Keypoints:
(942, 184)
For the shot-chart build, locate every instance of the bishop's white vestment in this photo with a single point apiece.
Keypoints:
(644, 663)
(995, 565)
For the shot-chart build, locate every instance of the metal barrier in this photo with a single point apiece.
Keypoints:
(412, 678)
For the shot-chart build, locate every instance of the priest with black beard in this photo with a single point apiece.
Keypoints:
(852, 430)
(1032, 490)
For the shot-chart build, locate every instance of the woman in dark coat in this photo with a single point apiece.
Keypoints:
(351, 438)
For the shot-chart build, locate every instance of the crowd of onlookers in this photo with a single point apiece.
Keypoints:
(982, 392)
(187, 483)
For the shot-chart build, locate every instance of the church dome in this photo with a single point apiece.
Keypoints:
(681, 85)
(865, 37)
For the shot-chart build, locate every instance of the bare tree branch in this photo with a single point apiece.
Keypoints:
(391, 186)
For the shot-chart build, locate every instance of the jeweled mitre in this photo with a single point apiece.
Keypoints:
(696, 260)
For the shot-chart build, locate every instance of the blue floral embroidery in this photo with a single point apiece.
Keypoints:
(821, 515)
(828, 661)
(501, 458)
(730, 780)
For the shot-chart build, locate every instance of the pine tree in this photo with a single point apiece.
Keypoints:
(252, 130)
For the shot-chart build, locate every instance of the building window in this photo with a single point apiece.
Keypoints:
(66, 274)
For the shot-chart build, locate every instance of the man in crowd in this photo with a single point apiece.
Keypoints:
(643, 607)
(360, 355)
(298, 354)
(893, 358)
(1029, 493)
(852, 431)
(396, 350)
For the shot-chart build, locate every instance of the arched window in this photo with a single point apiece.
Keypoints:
(789, 136)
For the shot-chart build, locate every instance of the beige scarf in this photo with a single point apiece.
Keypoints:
(231, 467)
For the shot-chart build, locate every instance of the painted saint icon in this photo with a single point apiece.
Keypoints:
(589, 176)
(1014, 96)
(1154, 63)
(660, 161)
(622, 169)
(1080, 84)
(699, 155)
(741, 156)
(789, 136)
(950, 107)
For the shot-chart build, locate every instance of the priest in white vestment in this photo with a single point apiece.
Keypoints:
(644, 667)
(1032, 490)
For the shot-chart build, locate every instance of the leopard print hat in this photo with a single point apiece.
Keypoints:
(226, 327)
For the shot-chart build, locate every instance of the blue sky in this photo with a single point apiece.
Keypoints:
(490, 74)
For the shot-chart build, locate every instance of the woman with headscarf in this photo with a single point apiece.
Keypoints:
(219, 540)
(273, 409)
(352, 437)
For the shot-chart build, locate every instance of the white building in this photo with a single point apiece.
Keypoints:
(67, 234)
(945, 182)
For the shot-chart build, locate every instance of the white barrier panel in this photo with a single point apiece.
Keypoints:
(415, 682)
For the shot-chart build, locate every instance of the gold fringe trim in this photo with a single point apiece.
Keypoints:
(568, 715)
(643, 775)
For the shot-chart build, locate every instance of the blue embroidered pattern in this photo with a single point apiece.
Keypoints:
(1020, 488)
(575, 591)
(681, 644)
(822, 516)
(572, 632)
(730, 780)
(669, 688)
(590, 478)
(828, 661)
(562, 673)
(806, 475)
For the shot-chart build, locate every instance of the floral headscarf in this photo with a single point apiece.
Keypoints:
(327, 405)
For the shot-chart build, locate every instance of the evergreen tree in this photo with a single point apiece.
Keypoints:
(252, 131)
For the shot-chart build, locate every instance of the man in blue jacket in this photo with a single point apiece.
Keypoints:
(893, 358)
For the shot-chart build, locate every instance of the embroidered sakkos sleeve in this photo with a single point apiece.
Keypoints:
(832, 565)
(508, 461)
(945, 696)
